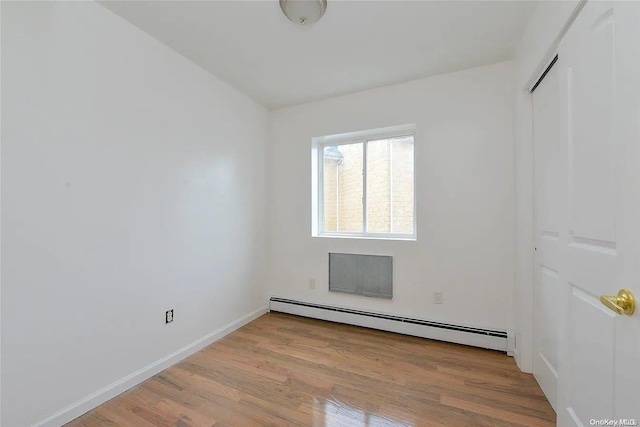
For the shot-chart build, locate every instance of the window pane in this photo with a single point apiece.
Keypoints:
(378, 186)
(390, 185)
(343, 188)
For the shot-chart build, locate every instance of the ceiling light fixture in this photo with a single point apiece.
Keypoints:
(303, 12)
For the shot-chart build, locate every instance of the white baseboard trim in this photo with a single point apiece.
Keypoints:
(495, 339)
(86, 404)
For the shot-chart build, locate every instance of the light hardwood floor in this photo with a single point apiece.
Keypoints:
(283, 370)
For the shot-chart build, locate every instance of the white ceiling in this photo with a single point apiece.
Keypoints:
(356, 45)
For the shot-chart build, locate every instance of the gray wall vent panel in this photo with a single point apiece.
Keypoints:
(368, 275)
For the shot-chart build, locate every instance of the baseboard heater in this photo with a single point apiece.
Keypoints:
(501, 340)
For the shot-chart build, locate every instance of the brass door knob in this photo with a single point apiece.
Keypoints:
(623, 303)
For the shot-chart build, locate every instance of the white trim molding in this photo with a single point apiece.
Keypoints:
(493, 339)
(552, 51)
(99, 397)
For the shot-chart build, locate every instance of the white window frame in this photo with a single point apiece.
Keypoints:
(317, 182)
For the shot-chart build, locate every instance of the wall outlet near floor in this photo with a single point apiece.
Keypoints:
(438, 297)
(168, 317)
(312, 283)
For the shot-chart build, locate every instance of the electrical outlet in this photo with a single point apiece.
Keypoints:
(168, 317)
(312, 283)
(438, 297)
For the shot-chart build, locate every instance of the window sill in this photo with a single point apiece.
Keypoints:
(404, 238)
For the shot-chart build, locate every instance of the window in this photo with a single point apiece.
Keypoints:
(364, 184)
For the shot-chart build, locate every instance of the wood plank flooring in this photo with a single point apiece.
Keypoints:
(283, 370)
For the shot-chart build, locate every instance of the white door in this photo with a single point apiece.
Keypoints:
(599, 240)
(549, 208)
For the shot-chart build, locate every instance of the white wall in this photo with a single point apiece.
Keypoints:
(538, 39)
(132, 182)
(465, 197)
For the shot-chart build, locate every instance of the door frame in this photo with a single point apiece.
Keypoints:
(552, 51)
(536, 292)
(524, 186)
